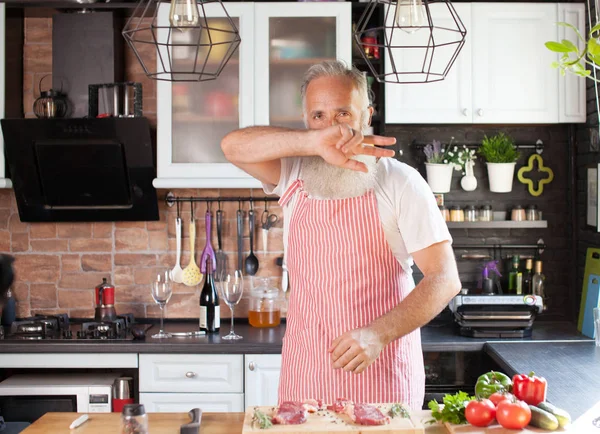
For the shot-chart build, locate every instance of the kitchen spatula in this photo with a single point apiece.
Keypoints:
(191, 273)
(220, 255)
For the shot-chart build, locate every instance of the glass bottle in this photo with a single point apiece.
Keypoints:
(457, 214)
(470, 213)
(538, 282)
(485, 214)
(210, 311)
(445, 213)
(515, 278)
(528, 277)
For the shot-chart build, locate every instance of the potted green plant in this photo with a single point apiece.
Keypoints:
(438, 167)
(501, 155)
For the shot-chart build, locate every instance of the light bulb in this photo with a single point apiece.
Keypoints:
(410, 15)
(183, 14)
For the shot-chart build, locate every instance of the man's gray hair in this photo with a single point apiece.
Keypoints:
(336, 68)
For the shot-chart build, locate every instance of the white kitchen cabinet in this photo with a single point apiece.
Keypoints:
(512, 78)
(4, 182)
(259, 86)
(184, 402)
(571, 88)
(441, 102)
(261, 378)
(503, 73)
(196, 373)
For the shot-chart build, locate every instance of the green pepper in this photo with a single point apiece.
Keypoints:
(492, 382)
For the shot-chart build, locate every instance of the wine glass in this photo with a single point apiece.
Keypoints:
(231, 287)
(161, 293)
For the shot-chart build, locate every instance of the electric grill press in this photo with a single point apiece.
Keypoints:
(496, 316)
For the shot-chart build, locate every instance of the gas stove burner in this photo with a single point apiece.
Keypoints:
(59, 327)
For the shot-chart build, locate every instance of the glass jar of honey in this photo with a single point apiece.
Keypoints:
(265, 306)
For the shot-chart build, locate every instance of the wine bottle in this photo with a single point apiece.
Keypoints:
(210, 312)
(538, 283)
(515, 278)
(528, 277)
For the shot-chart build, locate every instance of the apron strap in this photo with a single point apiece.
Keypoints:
(289, 193)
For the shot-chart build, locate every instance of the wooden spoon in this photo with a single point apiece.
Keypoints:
(191, 273)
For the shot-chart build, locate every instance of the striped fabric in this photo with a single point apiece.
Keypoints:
(343, 276)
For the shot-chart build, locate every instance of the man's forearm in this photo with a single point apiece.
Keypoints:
(259, 144)
(429, 298)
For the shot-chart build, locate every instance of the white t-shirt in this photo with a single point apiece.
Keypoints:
(409, 214)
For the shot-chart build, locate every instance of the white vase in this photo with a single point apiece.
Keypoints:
(439, 177)
(501, 176)
(469, 182)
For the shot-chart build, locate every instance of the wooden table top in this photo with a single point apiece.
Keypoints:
(158, 423)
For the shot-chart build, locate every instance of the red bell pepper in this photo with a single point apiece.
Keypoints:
(529, 388)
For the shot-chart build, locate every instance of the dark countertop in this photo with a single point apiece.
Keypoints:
(268, 341)
(572, 369)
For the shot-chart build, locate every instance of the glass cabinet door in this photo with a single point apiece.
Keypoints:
(200, 114)
(290, 37)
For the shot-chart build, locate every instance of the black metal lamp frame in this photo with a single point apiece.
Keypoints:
(385, 41)
(139, 33)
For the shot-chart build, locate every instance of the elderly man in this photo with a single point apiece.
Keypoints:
(354, 221)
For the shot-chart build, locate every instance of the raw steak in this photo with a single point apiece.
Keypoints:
(365, 414)
(290, 413)
(340, 405)
(313, 405)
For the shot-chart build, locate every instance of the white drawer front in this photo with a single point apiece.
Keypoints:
(191, 373)
(184, 402)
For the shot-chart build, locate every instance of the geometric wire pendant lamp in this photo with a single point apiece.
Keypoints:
(178, 42)
(421, 39)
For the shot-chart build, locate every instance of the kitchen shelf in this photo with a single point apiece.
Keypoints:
(502, 224)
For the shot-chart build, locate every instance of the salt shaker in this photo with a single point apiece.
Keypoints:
(134, 419)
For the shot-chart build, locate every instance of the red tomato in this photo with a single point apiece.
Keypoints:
(513, 415)
(480, 413)
(498, 397)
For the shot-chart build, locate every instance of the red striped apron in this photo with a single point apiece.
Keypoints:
(343, 276)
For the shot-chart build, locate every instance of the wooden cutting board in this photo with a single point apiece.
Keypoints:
(326, 421)
(496, 429)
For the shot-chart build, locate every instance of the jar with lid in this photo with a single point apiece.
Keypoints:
(445, 213)
(265, 306)
(485, 213)
(457, 214)
(470, 213)
(532, 213)
(518, 214)
(134, 419)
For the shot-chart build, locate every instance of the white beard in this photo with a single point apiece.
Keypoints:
(326, 181)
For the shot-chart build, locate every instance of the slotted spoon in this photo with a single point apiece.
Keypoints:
(191, 273)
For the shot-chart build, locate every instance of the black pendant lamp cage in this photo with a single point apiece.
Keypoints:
(189, 53)
(416, 53)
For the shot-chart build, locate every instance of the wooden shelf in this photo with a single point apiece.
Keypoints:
(503, 224)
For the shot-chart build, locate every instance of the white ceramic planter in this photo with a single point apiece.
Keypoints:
(501, 176)
(439, 177)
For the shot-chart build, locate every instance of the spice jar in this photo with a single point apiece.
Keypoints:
(470, 214)
(518, 214)
(532, 213)
(134, 419)
(485, 213)
(265, 308)
(445, 213)
(457, 214)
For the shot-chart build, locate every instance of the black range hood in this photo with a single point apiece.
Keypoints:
(67, 170)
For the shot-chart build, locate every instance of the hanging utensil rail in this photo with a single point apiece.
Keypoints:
(171, 199)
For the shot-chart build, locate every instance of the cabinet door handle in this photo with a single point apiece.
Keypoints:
(480, 112)
(190, 374)
(251, 366)
(465, 112)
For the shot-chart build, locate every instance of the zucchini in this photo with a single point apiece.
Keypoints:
(563, 417)
(543, 419)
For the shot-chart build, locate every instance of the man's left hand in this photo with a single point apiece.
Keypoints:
(356, 349)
